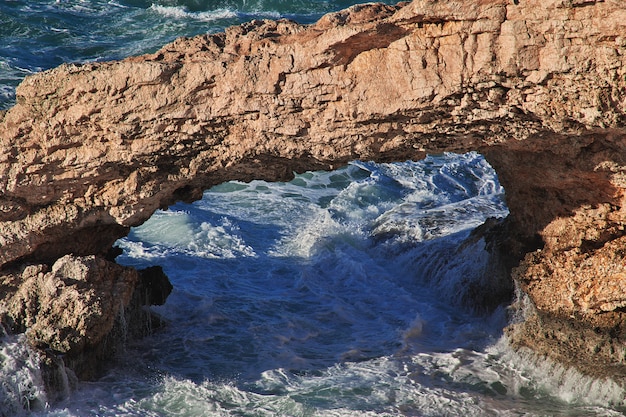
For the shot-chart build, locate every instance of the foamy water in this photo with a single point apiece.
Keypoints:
(337, 294)
(21, 385)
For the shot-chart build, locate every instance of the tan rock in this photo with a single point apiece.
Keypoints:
(73, 305)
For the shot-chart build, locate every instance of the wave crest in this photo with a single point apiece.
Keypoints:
(181, 12)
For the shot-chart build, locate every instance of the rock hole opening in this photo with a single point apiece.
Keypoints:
(297, 266)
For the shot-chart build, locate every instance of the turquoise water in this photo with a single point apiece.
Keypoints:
(344, 293)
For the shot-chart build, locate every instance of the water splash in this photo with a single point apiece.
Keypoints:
(305, 308)
(21, 384)
(182, 12)
(536, 377)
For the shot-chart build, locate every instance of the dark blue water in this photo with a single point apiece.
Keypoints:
(339, 293)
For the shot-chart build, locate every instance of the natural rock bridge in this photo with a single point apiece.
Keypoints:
(537, 86)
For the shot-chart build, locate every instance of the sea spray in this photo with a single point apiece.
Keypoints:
(21, 383)
(182, 12)
(549, 379)
(60, 380)
(540, 378)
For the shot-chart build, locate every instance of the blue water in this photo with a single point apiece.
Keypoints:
(344, 293)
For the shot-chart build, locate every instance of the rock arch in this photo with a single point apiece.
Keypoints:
(538, 87)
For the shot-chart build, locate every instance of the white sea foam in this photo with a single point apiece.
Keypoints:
(171, 233)
(545, 377)
(181, 12)
(21, 385)
(455, 383)
(117, 4)
(255, 14)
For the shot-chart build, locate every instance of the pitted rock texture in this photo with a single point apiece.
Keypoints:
(537, 86)
(76, 293)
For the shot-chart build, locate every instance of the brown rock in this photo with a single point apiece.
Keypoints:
(537, 86)
(74, 304)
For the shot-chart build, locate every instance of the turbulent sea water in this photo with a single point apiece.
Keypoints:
(336, 294)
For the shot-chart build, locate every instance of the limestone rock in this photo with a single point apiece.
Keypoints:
(538, 86)
(71, 306)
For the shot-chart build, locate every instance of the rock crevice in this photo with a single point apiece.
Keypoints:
(538, 87)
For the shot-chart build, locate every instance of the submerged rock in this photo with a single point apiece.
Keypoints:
(538, 87)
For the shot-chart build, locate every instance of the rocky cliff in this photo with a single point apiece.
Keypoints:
(537, 86)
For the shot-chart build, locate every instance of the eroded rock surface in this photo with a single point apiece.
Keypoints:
(538, 86)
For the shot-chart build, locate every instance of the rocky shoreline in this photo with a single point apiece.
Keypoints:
(538, 87)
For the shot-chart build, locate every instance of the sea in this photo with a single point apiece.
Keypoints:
(343, 293)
